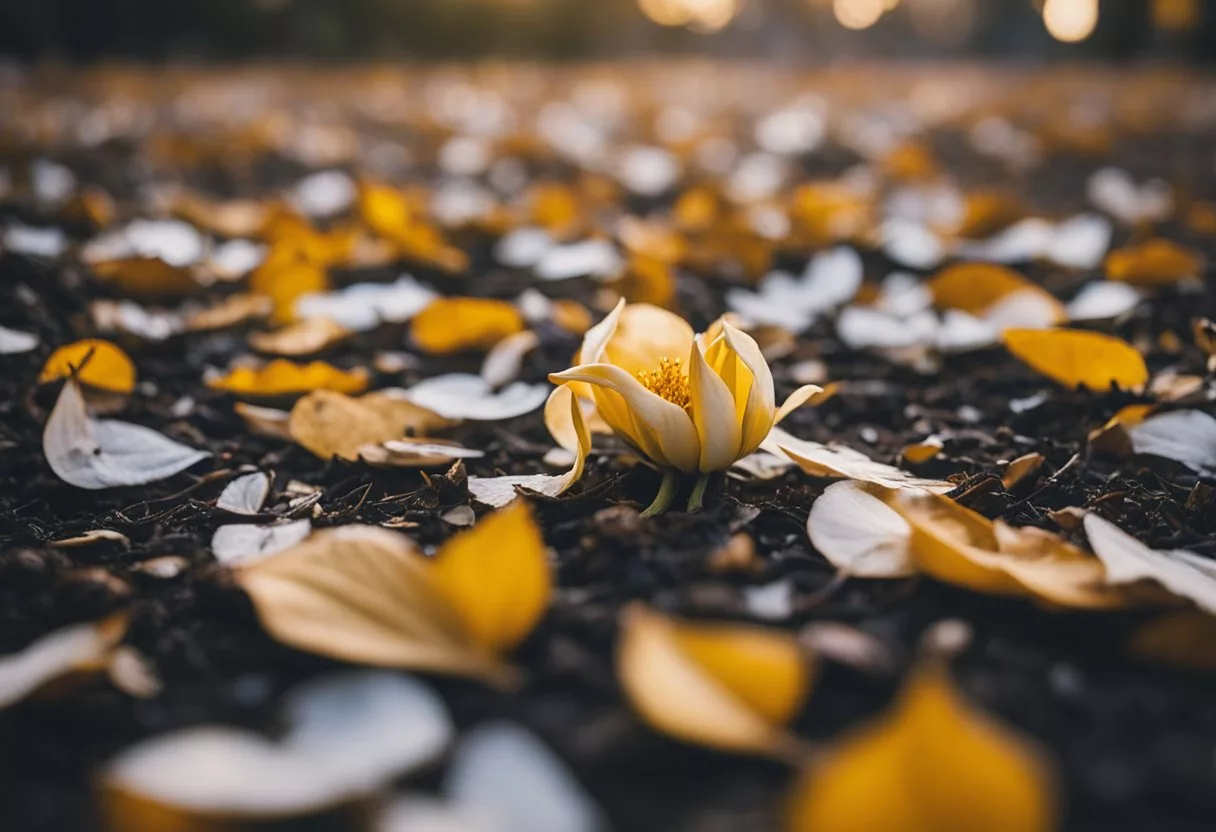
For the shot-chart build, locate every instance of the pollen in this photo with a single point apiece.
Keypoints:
(668, 381)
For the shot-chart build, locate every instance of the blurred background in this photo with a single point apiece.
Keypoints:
(787, 31)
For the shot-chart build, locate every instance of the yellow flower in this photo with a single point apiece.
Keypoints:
(691, 404)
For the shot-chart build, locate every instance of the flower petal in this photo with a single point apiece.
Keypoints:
(596, 339)
(761, 400)
(796, 400)
(644, 336)
(713, 414)
(659, 429)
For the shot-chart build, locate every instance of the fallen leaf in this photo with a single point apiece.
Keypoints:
(1129, 561)
(14, 342)
(929, 764)
(90, 537)
(232, 310)
(1075, 358)
(1021, 468)
(95, 362)
(727, 686)
(416, 453)
(105, 453)
(976, 288)
(280, 378)
(820, 460)
(149, 277)
(75, 648)
(264, 421)
(466, 396)
(245, 494)
(504, 362)
(1103, 300)
(362, 307)
(496, 576)
(330, 424)
(860, 534)
(348, 736)
(452, 325)
(305, 337)
(1155, 262)
(244, 543)
(1186, 436)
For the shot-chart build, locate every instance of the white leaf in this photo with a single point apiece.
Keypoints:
(859, 533)
(56, 654)
(860, 328)
(504, 362)
(822, 460)
(29, 241)
(763, 466)
(323, 194)
(832, 278)
(466, 396)
(589, 258)
(1080, 242)
(504, 778)
(1022, 242)
(911, 244)
(497, 492)
(1127, 561)
(364, 306)
(1103, 300)
(648, 170)
(176, 242)
(107, 454)
(523, 247)
(244, 543)
(349, 735)
(129, 318)
(245, 495)
(772, 602)
(237, 258)
(1186, 436)
(13, 342)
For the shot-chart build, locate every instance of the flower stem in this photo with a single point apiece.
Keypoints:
(663, 499)
(697, 497)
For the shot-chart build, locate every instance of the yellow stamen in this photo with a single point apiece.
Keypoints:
(668, 381)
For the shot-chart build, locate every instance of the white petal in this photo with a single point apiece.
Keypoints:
(324, 194)
(466, 396)
(713, 414)
(364, 306)
(1127, 561)
(419, 813)
(596, 339)
(761, 398)
(589, 258)
(246, 494)
(839, 461)
(523, 248)
(1080, 242)
(50, 657)
(963, 332)
(13, 342)
(796, 400)
(504, 362)
(763, 466)
(177, 243)
(237, 258)
(244, 543)
(1022, 242)
(1025, 309)
(1103, 300)
(108, 454)
(860, 328)
(29, 241)
(772, 602)
(1186, 436)
(859, 533)
(502, 774)
(912, 244)
(832, 278)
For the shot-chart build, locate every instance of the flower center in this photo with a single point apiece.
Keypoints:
(668, 382)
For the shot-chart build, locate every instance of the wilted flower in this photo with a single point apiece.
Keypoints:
(691, 404)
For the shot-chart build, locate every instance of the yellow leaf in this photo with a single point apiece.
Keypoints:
(148, 277)
(570, 315)
(108, 367)
(1155, 262)
(496, 577)
(330, 424)
(1074, 357)
(306, 337)
(451, 325)
(384, 210)
(364, 595)
(726, 686)
(977, 287)
(958, 546)
(931, 764)
(284, 378)
(284, 278)
(648, 280)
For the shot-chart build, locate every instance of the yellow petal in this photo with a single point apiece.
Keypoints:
(330, 424)
(1074, 357)
(644, 336)
(284, 278)
(713, 414)
(385, 210)
(284, 378)
(977, 287)
(364, 595)
(596, 339)
(761, 409)
(496, 577)
(732, 687)
(796, 400)
(931, 764)
(1155, 262)
(107, 366)
(148, 277)
(659, 429)
(451, 325)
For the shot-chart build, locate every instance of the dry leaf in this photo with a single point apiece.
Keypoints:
(363, 594)
(96, 363)
(107, 454)
(1129, 561)
(451, 325)
(281, 378)
(1186, 436)
(305, 337)
(77, 648)
(1155, 262)
(1021, 468)
(496, 576)
(932, 763)
(1075, 358)
(264, 421)
(820, 460)
(860, 534)
(330, 424)
(976, 288)
(245, 494)
(242, 543)
(149, 277)
(727, 686)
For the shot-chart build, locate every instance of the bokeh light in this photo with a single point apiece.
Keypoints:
(1070, 21)
(858, 14)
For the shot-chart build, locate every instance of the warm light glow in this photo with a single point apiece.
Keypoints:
(1070, 21)
(702, 15)
(946, 22)
(858, 14)
(1175, 15)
